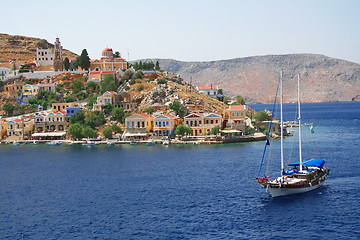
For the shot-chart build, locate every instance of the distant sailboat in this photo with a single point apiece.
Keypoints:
(312, 129)
(303, 176)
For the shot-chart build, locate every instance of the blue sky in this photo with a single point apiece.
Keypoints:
(192, 30)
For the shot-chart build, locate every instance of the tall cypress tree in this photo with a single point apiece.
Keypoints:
(66, 64)
(84, 60)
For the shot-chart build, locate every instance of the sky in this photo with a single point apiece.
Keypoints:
(191, 30)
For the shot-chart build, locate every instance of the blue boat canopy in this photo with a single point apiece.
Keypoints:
(310, 163)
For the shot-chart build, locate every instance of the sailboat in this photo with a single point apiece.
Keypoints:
(303, 176)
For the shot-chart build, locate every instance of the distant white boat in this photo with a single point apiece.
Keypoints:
(54, 143)
(166, 143)
(16, 143)
(34, 142)
(133, 142)
(150, 142)
(88, 143)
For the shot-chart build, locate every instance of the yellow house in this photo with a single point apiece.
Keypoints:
(202, 123)
(3, 129)
(56, 107)
(19, 129)
(30, 91)
(164, 125)
(138, 126)
(234, 117)
(107, 97)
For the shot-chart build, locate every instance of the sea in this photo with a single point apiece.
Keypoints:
(184, 191)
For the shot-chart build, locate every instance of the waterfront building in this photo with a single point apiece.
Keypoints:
(50, 122)
(164, 125)
(202, 123)
(234, 117)
(212, 91)
(3, 129)
(138, 126)
(19, 129)
(107, 62)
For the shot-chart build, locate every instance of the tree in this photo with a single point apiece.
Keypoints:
(161, 81)
(176, 106)
(69, 98)
(75, 130)
(94, 119)
(215, 130)
(118, 114)
(262, 116)
(32, 100)
(182, 130)
(88, 132)
(157, 66)
(108, 108)
(139, 75)
(220, 91)
(76, 63)
(43, 95)
(91, 101)
(240, 100)
(84, 60)
(77, 86)
(107, 132)
(91, 86)
(116, 129)
(108, 84)
(116, 54)
(66, 64)
(78, 117)
(149, 110)
(8, 108)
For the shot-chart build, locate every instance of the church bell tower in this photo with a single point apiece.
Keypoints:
(58, 62)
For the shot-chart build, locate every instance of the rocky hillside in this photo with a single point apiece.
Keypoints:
(23, 49)
(323, 78)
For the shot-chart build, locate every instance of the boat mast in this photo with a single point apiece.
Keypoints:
(281, 123)
(299, 123)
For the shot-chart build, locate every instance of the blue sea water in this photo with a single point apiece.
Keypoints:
(183, 191)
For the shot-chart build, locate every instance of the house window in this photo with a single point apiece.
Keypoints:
(242, 114)
(132, 124)
(216, 121)
(233, 114)
(143, 124)
(237, 114)
(211, 121)
(207, 121)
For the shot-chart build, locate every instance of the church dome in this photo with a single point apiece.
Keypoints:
(107, 53)
(107, 50)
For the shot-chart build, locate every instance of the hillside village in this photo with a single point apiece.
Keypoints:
(111, 99)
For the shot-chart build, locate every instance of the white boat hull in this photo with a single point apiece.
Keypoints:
(279, 192)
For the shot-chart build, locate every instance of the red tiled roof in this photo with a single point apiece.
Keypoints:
(108, 72)
(94, 73)
(237, 107)
(143, 115)
(170, 116)
(207, 88)
(46, 84)
(107, 50)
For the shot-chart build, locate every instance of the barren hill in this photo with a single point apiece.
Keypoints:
(323, 78)
(23, 49)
